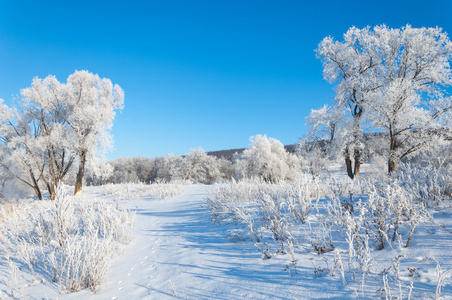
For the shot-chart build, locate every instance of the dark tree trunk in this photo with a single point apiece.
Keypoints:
(35, 185)
(38, 192)
(80, 173)
(51, 189)
(348, 164)
(391, 165)
(357, 163)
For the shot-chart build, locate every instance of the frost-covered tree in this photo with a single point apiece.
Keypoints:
(41, 111)
(194, 167)
(266, 158)
(133, 169)
(55, 126)
(323, 141)
(90, 105)
(36, 149)
(351, 65)
(199, 167)
(412, 105)
(124, 170)
(202, 168)
(327, 134)
(168, 168)
(19, 159)
(326, 123)
(394, 78)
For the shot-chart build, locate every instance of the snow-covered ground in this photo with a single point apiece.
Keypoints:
(178, 253)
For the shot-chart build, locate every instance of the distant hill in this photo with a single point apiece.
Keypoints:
(229, 154)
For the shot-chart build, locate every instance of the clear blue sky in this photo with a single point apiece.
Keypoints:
(204, 74)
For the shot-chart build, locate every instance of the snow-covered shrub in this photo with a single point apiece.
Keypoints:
(342, 220)
(71, 240)
(267, 211)
(381, 207)
(428, 184)
(266, 158)
(389, 207)
(82, 262)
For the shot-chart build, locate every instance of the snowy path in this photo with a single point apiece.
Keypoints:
(177, 245)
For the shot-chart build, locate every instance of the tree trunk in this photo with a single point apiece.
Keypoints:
(391, 165)
(392, 152)
(51, 189)
(348, 164)
(35, 185)
(38, 192)
(80, 173)
(357, 163)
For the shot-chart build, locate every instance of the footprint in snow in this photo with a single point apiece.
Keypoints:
(129, 274)
(120, 289)
(120, 282)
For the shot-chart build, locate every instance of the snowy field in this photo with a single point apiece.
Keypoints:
(180, 250)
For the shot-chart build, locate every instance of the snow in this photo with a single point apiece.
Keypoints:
(177, 245)
(179, 253)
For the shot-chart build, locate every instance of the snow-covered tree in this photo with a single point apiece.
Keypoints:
(19, 158)
(40, 111)
(55, 126)
(326, 123)
(36, 149)
(325, 138)
(133, 169)
(412, 105)
(194, 166)
(168, 168)
(199, 167)
(91, 103)
(351, 64)
(266, 158)
(203, 168)
(394, 78)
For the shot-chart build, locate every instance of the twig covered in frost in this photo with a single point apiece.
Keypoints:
(441, 274)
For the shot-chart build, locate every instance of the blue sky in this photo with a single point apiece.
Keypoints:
(204, 74)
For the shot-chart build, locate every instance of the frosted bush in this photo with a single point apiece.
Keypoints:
(72, 240)
(427, 184)
(82, 262)
(267, 211)
(344, 221)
